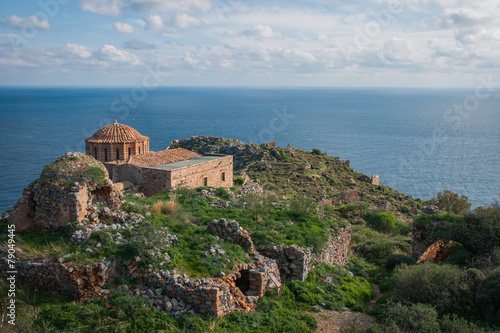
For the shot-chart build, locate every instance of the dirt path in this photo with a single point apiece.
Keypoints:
(333, 321)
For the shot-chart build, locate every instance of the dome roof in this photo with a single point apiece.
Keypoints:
(116, 133)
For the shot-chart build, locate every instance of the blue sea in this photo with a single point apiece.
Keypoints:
(420, 141)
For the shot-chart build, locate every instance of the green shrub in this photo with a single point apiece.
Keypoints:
(459, 257)
(239, 181)
(454, 324)
(381, 250)
(382, 222)
(316, 151)
(405, 209)
(222, 193)
(395, 260)
(489, 295)
(344, 291)
(130, 305)
(479, 230)
(415, 318)
(446, 287)
(451, 202)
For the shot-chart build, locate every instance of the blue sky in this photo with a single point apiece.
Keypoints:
(357, 43)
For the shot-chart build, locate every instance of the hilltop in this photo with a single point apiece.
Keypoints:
(328, 237)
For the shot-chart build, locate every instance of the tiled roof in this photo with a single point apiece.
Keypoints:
(158, 157)
(116, 133)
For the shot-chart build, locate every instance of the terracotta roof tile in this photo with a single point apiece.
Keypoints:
(116, 133)
(158, 157)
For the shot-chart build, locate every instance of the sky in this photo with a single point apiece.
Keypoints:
(356, 43)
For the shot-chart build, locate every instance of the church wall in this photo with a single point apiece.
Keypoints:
(155, 181)
(194, 176)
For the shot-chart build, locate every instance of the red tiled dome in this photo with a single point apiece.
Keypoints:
(116, 133)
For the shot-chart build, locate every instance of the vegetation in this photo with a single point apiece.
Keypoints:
(451, 202)
(302, 203)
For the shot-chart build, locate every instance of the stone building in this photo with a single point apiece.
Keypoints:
(126, 155)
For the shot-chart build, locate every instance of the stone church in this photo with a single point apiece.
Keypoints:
(125, 153)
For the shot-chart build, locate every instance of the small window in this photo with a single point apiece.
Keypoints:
(205, 181)
(95, 153)
(129, 152)
(105, 154)
(117, 153)
(139, 149)
(223, 176)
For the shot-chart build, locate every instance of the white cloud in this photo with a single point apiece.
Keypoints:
(112, 54)
(116, 7)
(78, 50)
(138, 45)
(124, 28)
(103, 7)
(154, 23)
(260, 31)
(185, 21)
(31, 22)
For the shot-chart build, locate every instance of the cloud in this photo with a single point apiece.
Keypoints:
(112, 54)
(185, 21)
(31, 22)
(260, 31)
(138, 45)
(124, 28)
(154, 23)
(116, 7)
(103, 7)
(78, 50)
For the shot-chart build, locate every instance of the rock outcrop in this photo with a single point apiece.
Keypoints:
(64, 193)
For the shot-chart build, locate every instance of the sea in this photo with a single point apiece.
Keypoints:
(420, 141)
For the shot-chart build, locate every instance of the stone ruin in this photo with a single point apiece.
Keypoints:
(65, 192)
(70, 189)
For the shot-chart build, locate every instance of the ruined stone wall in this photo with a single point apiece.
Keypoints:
(231, 232)
(294, 261)
(193, 176)
(336, 250)
(54, 276)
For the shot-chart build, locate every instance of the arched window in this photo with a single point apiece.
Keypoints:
(129, 152)
(95, 153)
(105, 154)
(117, 153)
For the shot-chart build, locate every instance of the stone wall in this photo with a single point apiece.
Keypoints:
(168, 291)
(231, 232)
(55, 276)
(294, 261)
(63, 194)
(193, 176)
(154, 181)
(336, 250)
(423, 236)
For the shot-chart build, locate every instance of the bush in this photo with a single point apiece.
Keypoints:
(479, 231)
(383, 222)
(222, 193)
(395, 260)
(381, 250)
(316, 151)
(451, 202)
(415, 318)
(454, 324)
(446, 287)
(489, 296)
(239, 181)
